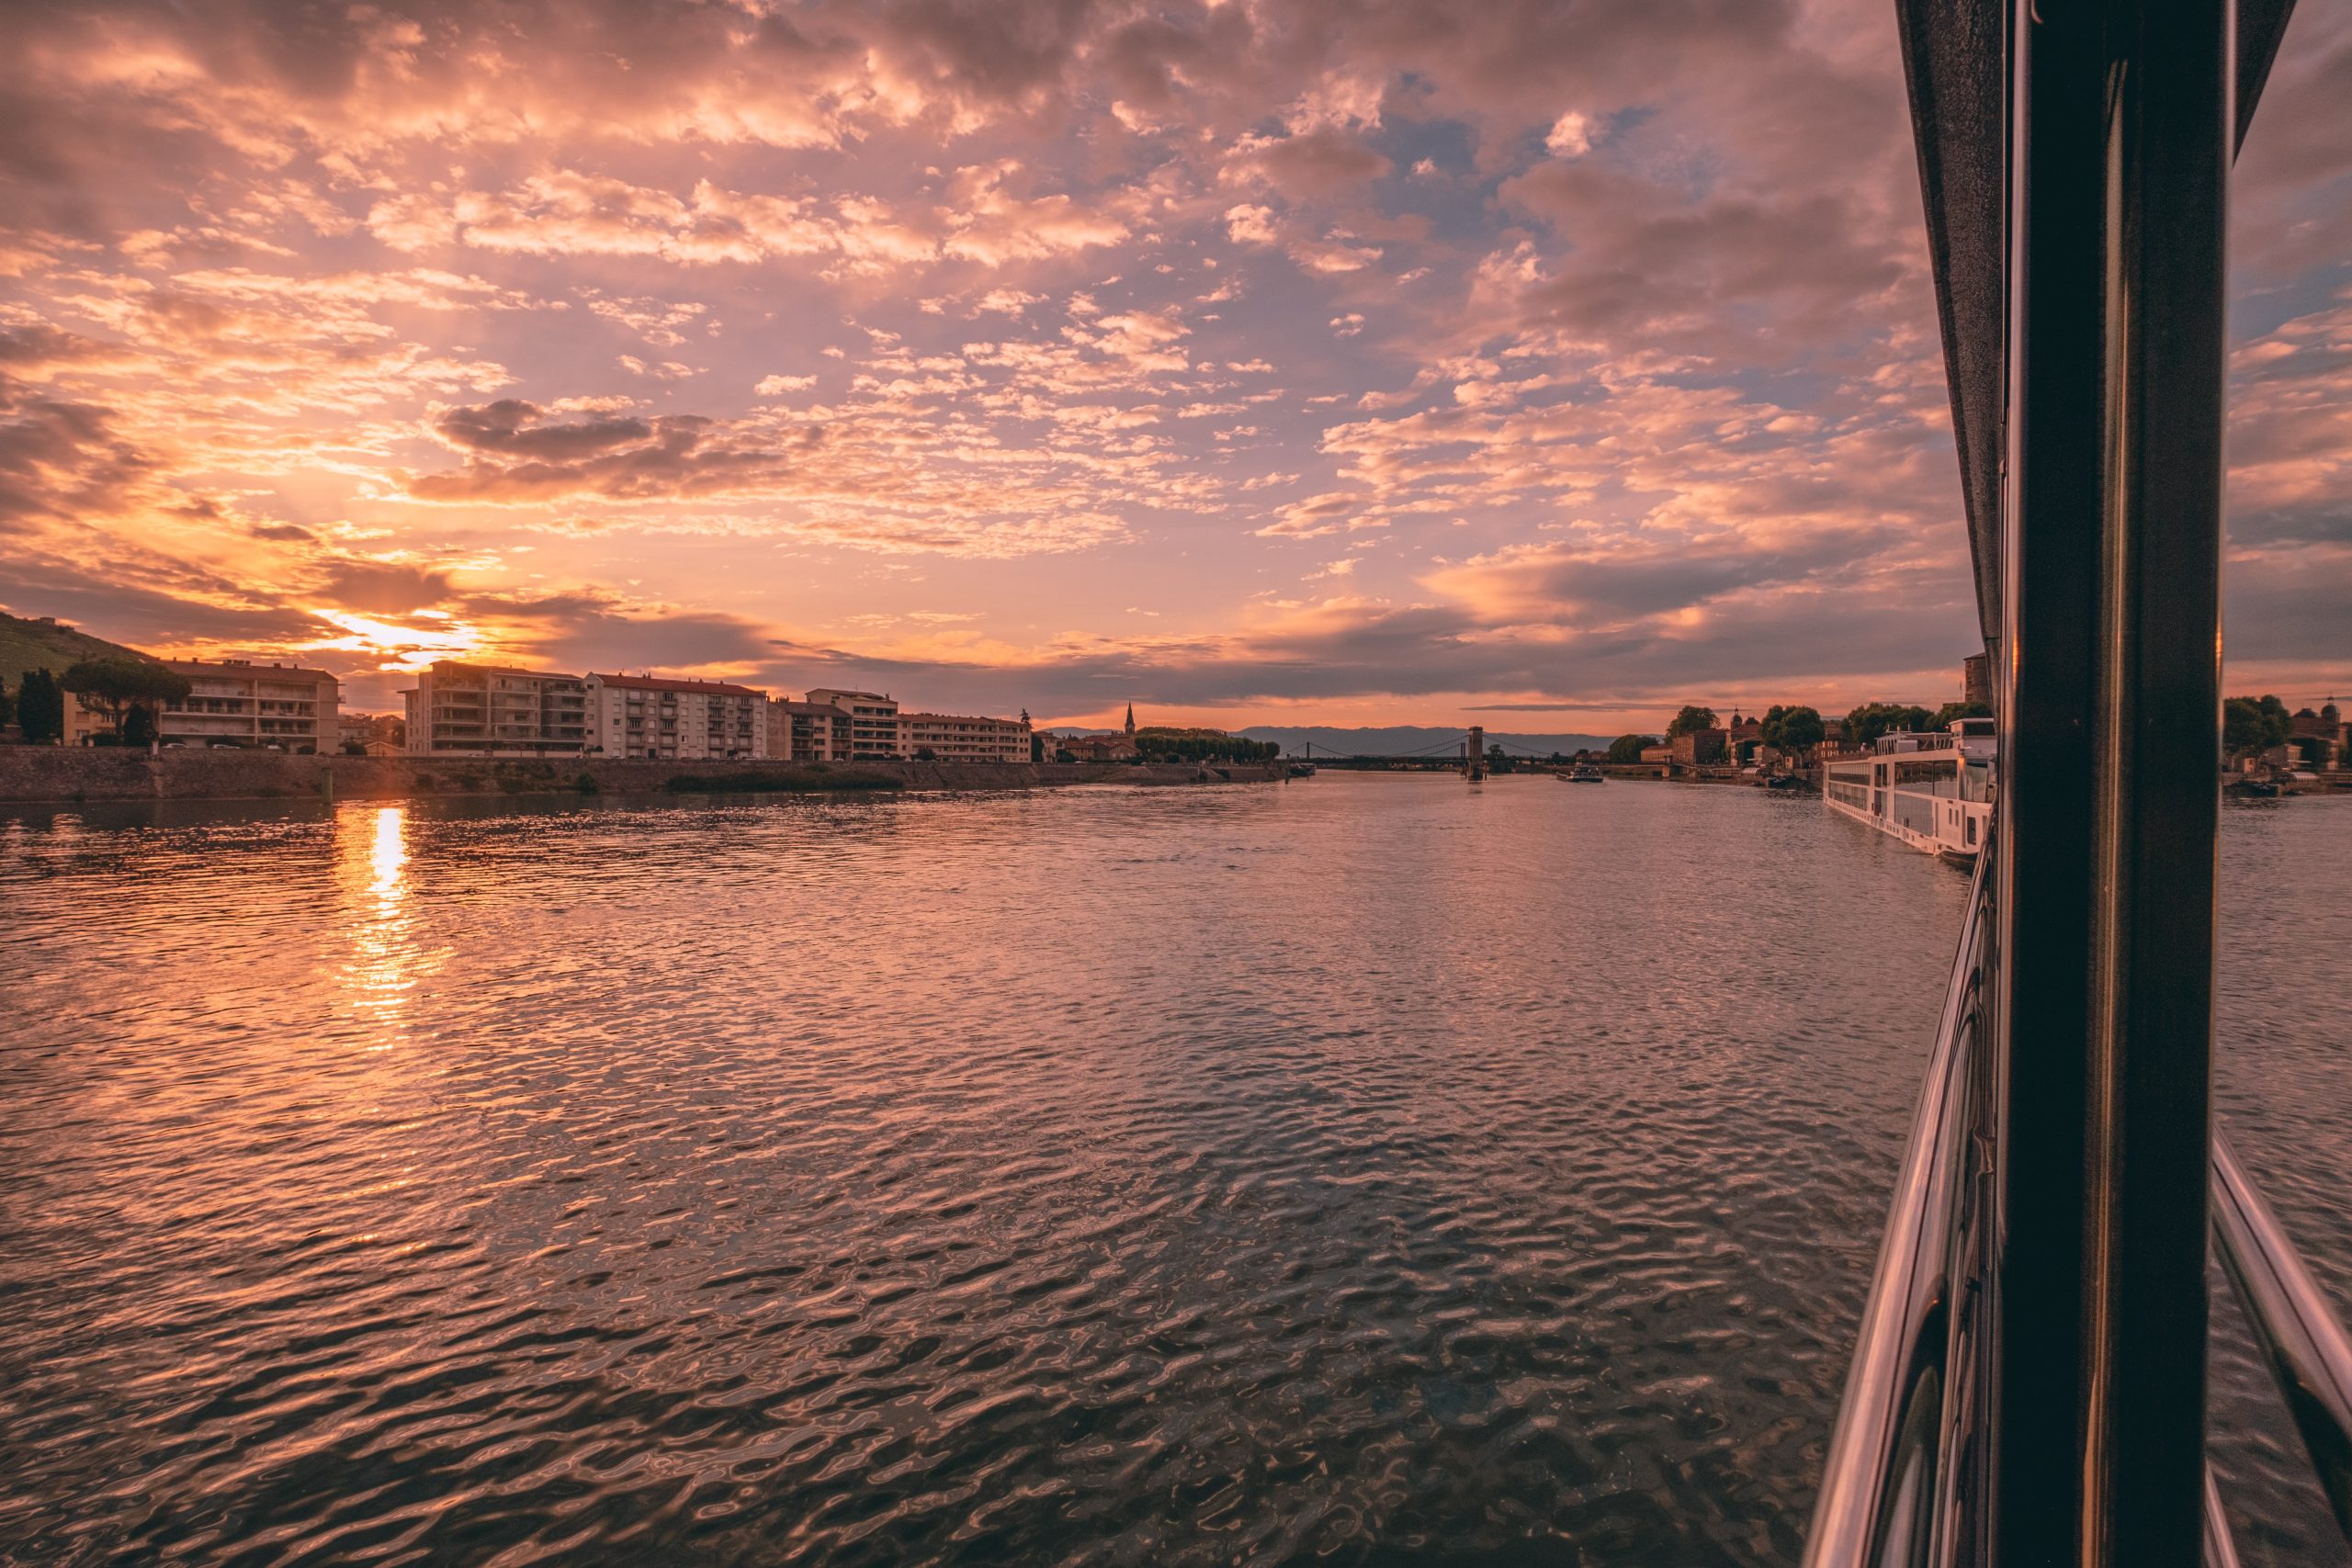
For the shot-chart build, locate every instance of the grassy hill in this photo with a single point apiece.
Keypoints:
(33, 645)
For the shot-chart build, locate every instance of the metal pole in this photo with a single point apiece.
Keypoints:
(2110, 693)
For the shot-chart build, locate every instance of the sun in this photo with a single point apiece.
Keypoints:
(404, 649)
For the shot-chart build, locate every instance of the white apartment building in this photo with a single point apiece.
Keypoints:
(873, 721)
(650, 716)
(235, 702)
(488, 710)
(807, 732)
(959, 737)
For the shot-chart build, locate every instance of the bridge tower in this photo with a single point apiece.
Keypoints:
(1474, 755)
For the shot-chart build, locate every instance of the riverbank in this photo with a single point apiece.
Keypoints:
(54, 774)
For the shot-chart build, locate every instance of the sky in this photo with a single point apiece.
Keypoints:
(1535, 363)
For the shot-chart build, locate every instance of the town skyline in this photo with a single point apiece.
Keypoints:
(1311, 365)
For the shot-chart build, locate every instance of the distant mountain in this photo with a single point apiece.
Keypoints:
(45, 645)
(1395, 739)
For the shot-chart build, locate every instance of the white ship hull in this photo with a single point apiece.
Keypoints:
(1932, 792)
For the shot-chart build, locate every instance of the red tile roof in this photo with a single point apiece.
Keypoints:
(660, 683)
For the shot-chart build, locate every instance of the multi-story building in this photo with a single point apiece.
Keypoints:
(873, 721)
(648, 716)
(807, 732)
(2317, 739)
(461, 710)
(957, 737)
(236, 701)
(1699, 748)
(1976, 679)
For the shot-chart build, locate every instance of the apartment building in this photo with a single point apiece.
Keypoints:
(649, 715)
(807, 732)
(236, 701)
(873, 721)
(461, 710)
(959, 737)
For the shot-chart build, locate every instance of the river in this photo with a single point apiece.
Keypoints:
(1370, 1170)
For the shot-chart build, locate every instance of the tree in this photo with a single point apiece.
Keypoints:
(1952, 712)
(139, 725)
(40, 708)
(1163, 743)
(115, 686)
(1693, 717)
(7, 707)
(2254, 723)
(1865, 724)
(1628, 749)
(1795, 730)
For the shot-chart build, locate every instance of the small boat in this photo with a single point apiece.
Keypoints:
(1584, 772)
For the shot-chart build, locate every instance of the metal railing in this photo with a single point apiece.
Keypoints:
(1900, 1486)
(2296, 1330)
(1892, 1481)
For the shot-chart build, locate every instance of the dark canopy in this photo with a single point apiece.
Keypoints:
(1952, 54)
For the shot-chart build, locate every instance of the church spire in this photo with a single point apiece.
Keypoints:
(1131, 721)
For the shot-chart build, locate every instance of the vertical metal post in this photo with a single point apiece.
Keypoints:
(2110, 689)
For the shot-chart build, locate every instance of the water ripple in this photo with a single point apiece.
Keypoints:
(1369, 1169)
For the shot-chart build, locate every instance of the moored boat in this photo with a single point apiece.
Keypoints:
(1933, 790)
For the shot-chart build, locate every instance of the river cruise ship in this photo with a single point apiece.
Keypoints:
(1932, 791)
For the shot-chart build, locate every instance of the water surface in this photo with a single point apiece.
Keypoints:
(1365, 1169)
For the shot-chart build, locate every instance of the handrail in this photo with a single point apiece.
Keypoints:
(2298, 1333)
(1865, 1473)
(1885, 1487)
(2221, 1551)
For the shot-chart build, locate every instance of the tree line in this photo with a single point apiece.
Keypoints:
(129, 692)
(1794, 729)
(1160, 744)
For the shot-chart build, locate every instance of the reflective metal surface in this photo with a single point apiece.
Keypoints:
(2104, 898)
(1889, 1483)
(2295, 1328)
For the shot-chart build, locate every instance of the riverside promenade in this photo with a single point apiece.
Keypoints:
(51, 774)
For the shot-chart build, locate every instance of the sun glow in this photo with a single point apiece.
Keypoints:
(403, 649)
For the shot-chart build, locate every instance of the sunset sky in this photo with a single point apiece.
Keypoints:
(1343, 361)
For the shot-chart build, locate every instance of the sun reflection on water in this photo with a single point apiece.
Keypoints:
(385, 965)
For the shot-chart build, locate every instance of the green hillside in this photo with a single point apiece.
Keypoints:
(33, 645)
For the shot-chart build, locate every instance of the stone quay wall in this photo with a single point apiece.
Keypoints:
(55, 774)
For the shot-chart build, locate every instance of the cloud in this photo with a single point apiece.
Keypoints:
(1248, 224)
(1570, 136)
(569, 212)
(493, 323)
(1316, 164)
(62, 461)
